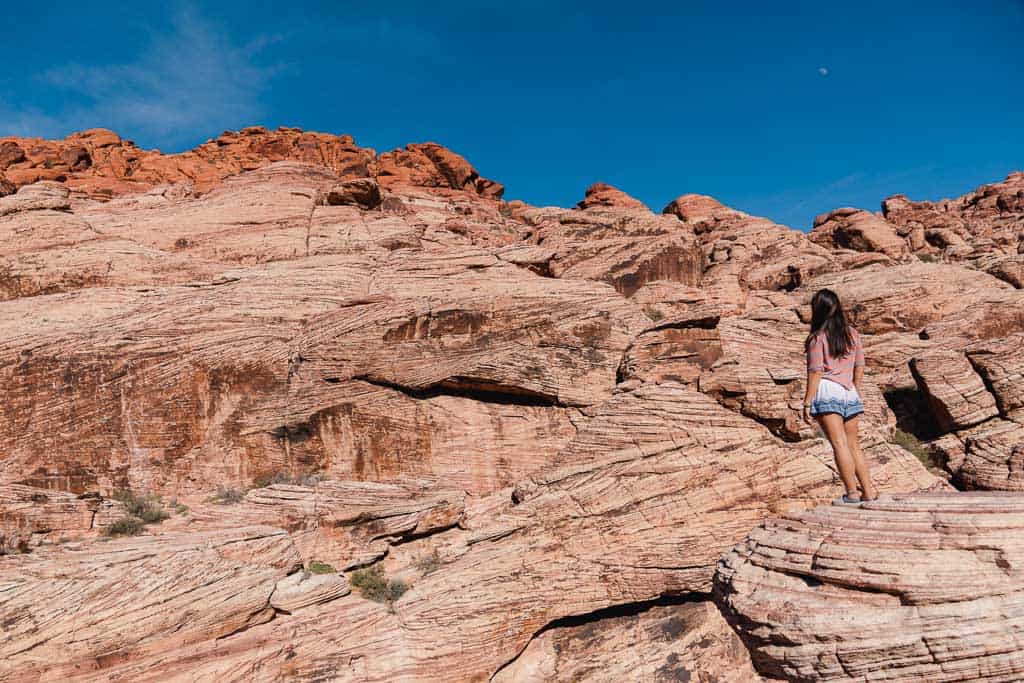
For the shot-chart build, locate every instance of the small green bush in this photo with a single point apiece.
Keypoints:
(428, 563)
(928, 258)
(396, 589)
(147, 507)
(373, 585)
(909, 442)
(653, 313)
(228, 496)
(318, 567)
(126, 526)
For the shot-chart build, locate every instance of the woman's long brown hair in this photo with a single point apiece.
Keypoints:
(828, 317)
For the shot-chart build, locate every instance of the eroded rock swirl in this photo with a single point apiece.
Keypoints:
(285, 408)
(920, 587)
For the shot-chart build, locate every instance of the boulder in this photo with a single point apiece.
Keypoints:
(362, 192)
(431, 165)
(10, 153)
(698, 209)
(910, 588)
(956, 393)
(602, 195)
(1001, 365)
(993, 457)
(749, 253)
(761, 372)
(858, 230)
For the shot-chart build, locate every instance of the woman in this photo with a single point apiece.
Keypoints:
(835, 367)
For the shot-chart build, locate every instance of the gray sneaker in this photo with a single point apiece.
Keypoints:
(848, 500)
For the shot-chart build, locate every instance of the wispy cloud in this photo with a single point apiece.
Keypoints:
(191, 78)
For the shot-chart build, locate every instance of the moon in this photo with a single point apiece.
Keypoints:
(823, 70)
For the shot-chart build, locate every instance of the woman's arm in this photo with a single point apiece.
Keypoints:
(813, 380)
(858, 363)
(815, 369)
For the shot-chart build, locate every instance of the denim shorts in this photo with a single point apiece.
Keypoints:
(833, 397)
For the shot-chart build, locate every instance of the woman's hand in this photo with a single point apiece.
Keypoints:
(813, 382)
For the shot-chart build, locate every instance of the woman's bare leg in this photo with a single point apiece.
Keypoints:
(832, 424)
(860, 463)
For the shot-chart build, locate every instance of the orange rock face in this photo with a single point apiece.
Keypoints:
(100, 164)
(603, 194)
(404, 430)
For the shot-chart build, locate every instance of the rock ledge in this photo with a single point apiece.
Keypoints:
(917, 587)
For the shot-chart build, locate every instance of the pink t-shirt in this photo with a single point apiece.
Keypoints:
(836, 369)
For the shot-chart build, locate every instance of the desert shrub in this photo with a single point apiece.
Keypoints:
(909, 442)
(147, 507)
(126, 526)
(228, 495)
(318, 567)
(428, 563)
(373, 585)
(396, 589)
(653, 313)
(928, 258)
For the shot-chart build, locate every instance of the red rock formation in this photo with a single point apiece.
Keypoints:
(361, 192)
(431, 165)
(604, 195)
(79, 611)
(917, 588)
(99, 163)
(544, 420)
(858, 230)
(984, 228)
(654, 487)
(638, 647)
(30, 516)
(957, 394)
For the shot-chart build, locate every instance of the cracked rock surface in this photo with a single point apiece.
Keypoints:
(917, 587)
(407, 431)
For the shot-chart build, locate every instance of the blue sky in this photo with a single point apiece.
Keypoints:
(779, 109)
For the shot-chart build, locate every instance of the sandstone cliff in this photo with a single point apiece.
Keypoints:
(404, 430)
